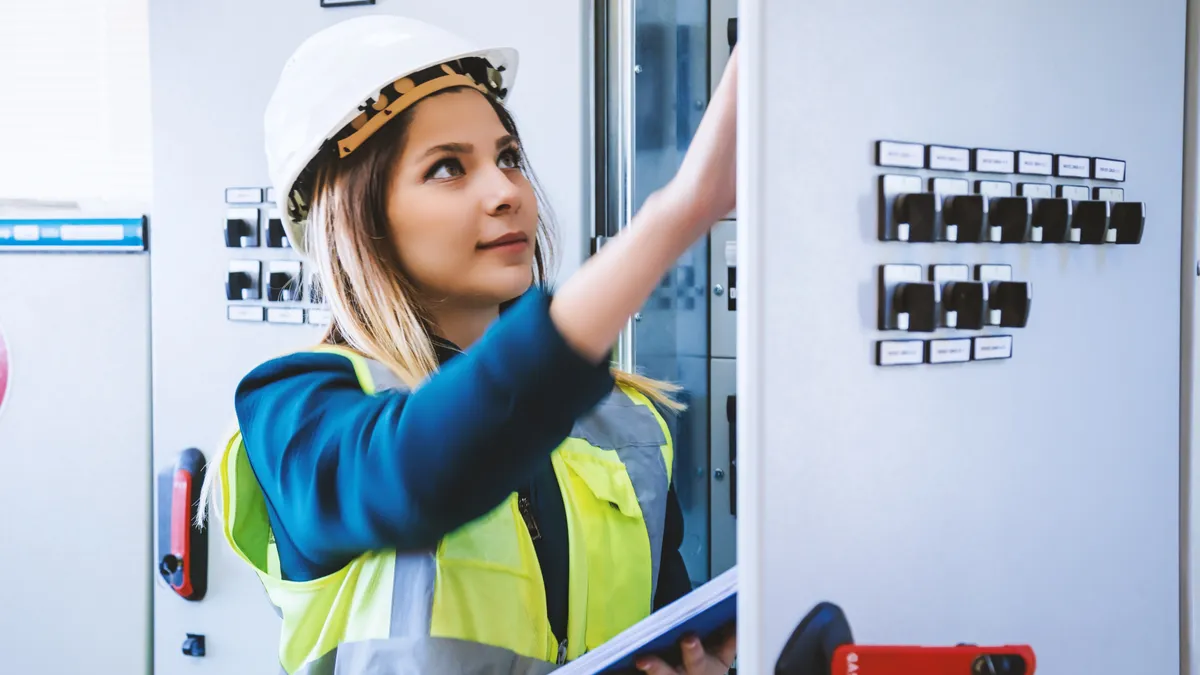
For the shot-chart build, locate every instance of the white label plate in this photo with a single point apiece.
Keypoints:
(282, 315)
(731, 253)
(908, 155)
(1075, 192)
(995, 188)
(894, 184)
(901, 352)
(950, 186)
(950, 351)
(1073, 167)
(987, 273)
(993, 347)
(26, 232)
(243, 196)
(949, 159)
(1110, 194)
(319, 316)
(271, 196)
(1035, 162)
(994, 161)
(1108, 169)
(1036, 190)
(245, 313)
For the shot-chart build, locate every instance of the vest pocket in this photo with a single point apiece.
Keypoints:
(609, 528)
(606, 479)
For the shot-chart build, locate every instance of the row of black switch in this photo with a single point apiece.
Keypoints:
(910, 303)
(243, 285)
(242, 229)
(928, 217)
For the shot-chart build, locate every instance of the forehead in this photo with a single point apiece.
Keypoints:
(460, 116)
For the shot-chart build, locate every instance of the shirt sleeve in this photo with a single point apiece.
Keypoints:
(345, 472)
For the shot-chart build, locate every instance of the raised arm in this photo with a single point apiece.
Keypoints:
(345, 472)
(595, 304)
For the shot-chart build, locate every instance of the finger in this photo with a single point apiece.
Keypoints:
(727, 652)
(654, 666)
(694, 655)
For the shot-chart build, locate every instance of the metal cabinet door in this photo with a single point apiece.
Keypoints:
(75, 447)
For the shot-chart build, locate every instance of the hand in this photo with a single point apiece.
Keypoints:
(706, 184)
(696, 660)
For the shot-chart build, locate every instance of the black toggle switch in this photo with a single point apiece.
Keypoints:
(918, 211)
(281, 287)
(965, 299)
(1011, 215)
(276, 235)
(1090, 218)
(1053, 215)
(917, 302)
(965, 212)
(731, 32)
(241, 227)
(240, 286)
(1128, 219)
(237, 233)
(1012, 300)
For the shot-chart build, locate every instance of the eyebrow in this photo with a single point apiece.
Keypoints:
(467, 148)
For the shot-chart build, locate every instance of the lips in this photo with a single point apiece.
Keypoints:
(510, 239)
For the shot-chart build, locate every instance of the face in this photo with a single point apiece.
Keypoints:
(462, 213)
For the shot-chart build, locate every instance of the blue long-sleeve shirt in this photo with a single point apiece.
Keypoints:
(344, 473)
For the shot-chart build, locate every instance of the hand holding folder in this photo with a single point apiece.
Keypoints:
(708, 613)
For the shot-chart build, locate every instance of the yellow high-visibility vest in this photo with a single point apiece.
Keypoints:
(477, 602)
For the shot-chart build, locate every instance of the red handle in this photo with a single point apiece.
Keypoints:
(906, 660)
(181, 523)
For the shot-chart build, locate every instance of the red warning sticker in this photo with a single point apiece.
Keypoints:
(4, 370)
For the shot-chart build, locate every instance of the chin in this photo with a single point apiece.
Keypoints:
(501, 290)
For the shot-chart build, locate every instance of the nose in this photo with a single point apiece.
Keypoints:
(501, 193)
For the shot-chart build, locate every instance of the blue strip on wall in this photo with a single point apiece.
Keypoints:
(65, 234)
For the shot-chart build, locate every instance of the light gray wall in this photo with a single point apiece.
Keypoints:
(214, 65)
(1034, 500)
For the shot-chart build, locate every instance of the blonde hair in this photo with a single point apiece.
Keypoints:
(374, 307)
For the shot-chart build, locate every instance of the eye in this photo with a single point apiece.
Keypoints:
(509, 159)
(449, 167)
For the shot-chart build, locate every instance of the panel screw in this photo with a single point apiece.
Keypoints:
(637, 317)
(719, 474)
(718, 290)
(637, 70)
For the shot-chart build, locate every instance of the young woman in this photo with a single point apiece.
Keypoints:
(455, 480)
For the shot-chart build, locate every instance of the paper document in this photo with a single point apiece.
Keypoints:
(702, 612)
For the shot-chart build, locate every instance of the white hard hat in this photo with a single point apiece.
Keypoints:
(343, 83)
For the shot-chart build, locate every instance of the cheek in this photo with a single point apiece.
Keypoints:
(433, 238)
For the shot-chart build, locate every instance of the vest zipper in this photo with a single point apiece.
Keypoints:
(526, 509)
(562, 652)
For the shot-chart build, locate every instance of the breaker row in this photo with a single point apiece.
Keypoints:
(949, 297)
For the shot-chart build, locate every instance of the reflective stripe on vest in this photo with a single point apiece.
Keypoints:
(477, 603)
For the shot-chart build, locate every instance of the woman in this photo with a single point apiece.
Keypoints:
(455, 480)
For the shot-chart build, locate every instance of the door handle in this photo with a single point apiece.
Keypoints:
(731, 417)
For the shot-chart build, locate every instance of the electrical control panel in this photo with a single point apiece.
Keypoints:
(266, 281)
(960, 232)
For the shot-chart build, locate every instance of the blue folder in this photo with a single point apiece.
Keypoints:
(705, 612)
